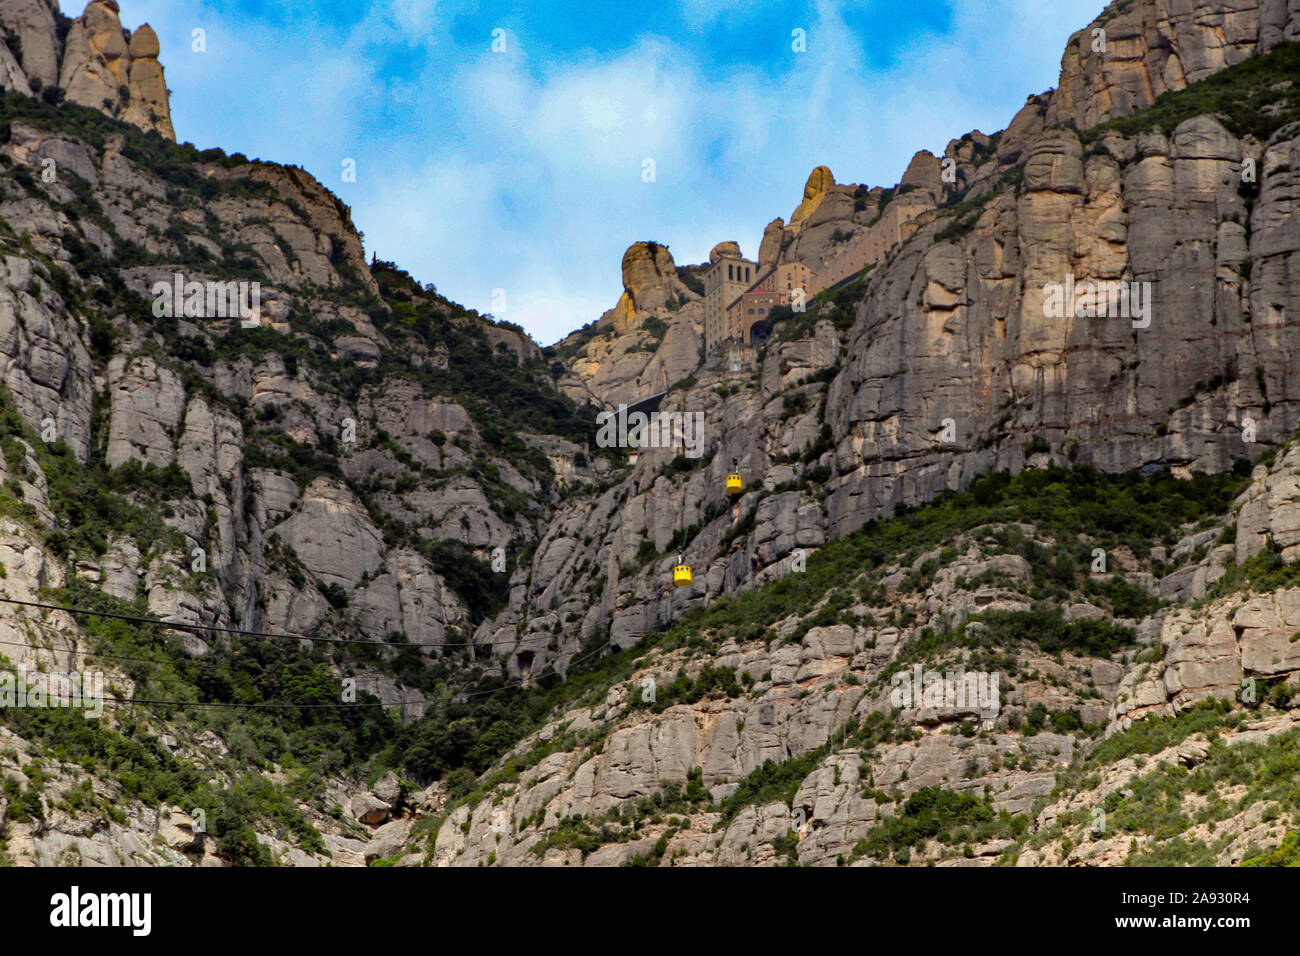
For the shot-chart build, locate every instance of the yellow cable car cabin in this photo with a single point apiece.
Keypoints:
(735, 485)
(682, 575)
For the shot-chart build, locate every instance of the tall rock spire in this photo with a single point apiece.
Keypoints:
(149, 107)
(103, 71)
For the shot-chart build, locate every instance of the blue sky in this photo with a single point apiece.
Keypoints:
(521, 170)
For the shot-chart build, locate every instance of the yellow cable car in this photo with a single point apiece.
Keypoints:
(735, 484)
(682, 572)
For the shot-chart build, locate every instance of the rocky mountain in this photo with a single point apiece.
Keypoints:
(766, 743)
(468, 647)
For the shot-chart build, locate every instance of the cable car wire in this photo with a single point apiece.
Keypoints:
(186, 626)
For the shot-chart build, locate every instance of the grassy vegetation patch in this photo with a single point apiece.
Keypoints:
(1251, 97)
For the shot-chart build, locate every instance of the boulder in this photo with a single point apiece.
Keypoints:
(388, 789)
(369, 809)
(388, 840)
(176, 830)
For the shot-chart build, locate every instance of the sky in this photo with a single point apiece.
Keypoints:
(510, 152)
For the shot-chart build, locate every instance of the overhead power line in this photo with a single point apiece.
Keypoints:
(261, 705)
(182, 625)
(187, 626)
(136, 660)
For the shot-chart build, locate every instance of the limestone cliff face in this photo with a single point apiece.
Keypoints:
(304, 252)
(1150, 48)
(838, 228)
(1210, 648)
(954, 327)
(308, 550)
(957, 329)
(32, 23)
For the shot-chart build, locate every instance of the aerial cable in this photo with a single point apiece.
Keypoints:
(186, 626)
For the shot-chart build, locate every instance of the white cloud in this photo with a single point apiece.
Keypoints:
(418, 18)
(699, 14)
(523, 171)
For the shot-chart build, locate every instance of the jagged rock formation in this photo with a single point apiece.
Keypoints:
(149, 106)
(769, 250)
(306, 254)
(238, 451)
(981, 350)
(649, 282)
(1154, 47)
(819, 185)
(819, 223)
(838, 229)
(1169, 210)
(97, 64)
(924, 174)
(648, 341)
(952, 329)
(1208, 651)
